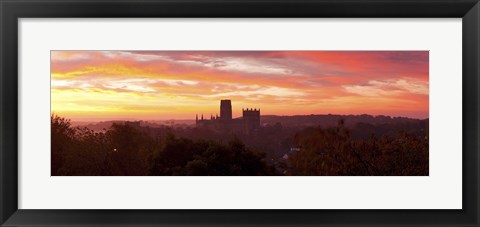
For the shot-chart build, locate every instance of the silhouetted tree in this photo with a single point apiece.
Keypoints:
(186, 157)
(62, 136)
(331, 152)
(127, 150)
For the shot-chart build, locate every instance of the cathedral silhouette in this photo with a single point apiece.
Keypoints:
(249, 123)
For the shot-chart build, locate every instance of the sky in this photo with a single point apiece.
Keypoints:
(163, 85)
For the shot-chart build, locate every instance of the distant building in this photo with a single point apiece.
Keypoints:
(248, 124)
(226, 110)
(251, 120)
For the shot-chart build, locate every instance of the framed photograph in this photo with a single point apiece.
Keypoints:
(254, 113)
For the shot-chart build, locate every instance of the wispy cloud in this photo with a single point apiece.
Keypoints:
(391, 87)
(181, 83)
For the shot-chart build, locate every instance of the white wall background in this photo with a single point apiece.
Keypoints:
(441, 190)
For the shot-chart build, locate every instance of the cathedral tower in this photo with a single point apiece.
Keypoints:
(226, 110)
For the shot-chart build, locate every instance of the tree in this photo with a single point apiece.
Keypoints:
(332, 152)
(209, 158)
(62, 136)
(129, 151)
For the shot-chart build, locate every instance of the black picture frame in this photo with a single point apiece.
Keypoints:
(12, 10)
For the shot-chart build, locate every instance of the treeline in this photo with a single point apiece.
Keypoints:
(330, 120)
(365, 130)
(332, 152)
(124, 150)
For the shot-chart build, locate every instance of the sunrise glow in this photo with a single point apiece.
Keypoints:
(162, 85)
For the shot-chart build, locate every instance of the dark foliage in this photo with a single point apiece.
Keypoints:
(62, 139)
(332, 152)
(208, 158)
(133, 150)
(124, 150)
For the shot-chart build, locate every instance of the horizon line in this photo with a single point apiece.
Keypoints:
(208, 118)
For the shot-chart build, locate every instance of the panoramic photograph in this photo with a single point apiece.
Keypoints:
(239, 113)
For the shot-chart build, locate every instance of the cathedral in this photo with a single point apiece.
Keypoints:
(249, 123)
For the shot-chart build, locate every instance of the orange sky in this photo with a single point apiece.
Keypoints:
(161, 85)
